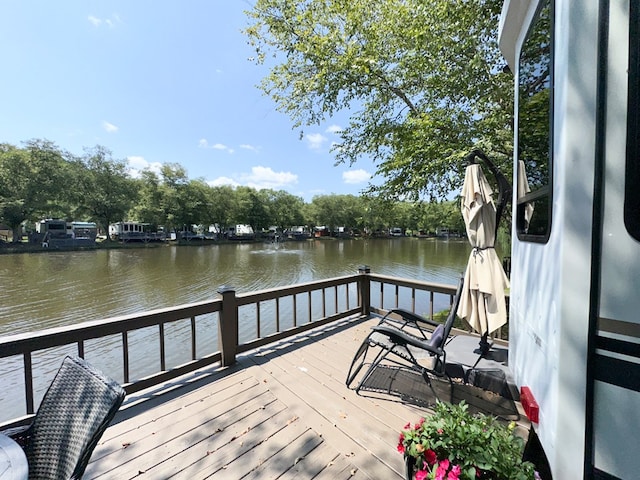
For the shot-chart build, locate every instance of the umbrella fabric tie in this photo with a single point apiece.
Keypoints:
(477, 250)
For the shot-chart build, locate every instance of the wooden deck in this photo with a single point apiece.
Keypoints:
(282, 411)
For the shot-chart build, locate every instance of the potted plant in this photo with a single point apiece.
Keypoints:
(453, 444)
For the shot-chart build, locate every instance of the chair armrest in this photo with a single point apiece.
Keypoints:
(20, 435)
(409, 316)
(403, 338)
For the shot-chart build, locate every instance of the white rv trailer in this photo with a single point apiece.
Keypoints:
(575, 271)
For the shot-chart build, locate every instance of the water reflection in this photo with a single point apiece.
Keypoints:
(45, 290)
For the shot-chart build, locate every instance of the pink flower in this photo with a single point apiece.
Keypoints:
(454, 474)
(441, 471)
(401, 443)
(407, 426)
(421, 475)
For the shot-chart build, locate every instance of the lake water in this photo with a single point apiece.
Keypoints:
(49, 289)
(43, 290)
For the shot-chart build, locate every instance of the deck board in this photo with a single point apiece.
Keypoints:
(282, 411)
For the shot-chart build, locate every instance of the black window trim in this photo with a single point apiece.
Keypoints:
(632, 160)
(546, 191)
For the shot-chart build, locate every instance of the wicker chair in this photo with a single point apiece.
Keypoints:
(73, 415)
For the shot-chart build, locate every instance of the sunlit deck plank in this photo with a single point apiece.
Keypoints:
(282, 411)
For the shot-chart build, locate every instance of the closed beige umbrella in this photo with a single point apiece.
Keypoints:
(483, 303)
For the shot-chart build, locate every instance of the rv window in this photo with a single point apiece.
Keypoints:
(632, 174)
(535, 101)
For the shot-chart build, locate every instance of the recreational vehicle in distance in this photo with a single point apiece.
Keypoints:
(135, 231)
(83, 231)
(241, 232)
(60, 233)
(574, 334)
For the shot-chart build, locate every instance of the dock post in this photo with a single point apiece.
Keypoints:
(228, 326)
(364, 290)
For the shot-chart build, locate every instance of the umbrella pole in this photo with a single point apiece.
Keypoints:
(484, 345)
(483, 349)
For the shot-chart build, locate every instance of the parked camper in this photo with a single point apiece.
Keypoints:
(574, 334)
(60, 233)
(135, 231)
(241, 232)
(83, 230)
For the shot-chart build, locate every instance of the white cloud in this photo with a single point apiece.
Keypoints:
(109, 22)
(315, 140)
(259, 178)
(138, 164)
(264, 177)
(356, 176)
(334, 129)
(222, 146)
(109, 127)
(250, 147)
(204, 143)
(218, 182)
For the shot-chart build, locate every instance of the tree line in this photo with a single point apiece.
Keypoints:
(39, 180)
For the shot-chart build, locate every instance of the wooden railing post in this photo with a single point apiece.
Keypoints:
(228, 326)
(364, 289)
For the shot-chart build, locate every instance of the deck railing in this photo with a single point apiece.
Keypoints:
(244, 322)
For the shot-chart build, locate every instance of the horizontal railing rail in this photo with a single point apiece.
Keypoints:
(391, 287)
(232, 324)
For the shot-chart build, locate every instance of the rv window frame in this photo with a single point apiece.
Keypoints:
(632, 161)
(545, 191)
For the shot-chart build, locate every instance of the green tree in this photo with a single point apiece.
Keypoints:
(178, 205)
(251, 209)
(195, 202)
(423, 81)
(222, 200)
(285, 209)
(152, 199)
(105, 190)
(32, 183)
(378, 213)
(337, 211)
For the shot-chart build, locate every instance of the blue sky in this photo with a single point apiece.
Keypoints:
(159, 82)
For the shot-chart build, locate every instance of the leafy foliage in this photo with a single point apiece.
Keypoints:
(423, 82)
(41, 181)
(104, 192)
(473, 446)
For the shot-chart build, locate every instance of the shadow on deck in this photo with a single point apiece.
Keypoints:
(283, 411)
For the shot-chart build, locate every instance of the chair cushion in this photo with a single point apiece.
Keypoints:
(437, 336)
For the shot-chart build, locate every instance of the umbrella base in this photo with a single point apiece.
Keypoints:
(483, 349)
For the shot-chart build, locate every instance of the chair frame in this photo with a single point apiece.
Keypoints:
(401, 339)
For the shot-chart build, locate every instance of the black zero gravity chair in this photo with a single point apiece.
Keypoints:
(412, 341)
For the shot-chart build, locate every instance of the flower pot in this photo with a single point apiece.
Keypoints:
(408, 467)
